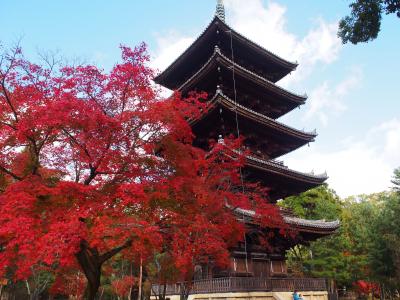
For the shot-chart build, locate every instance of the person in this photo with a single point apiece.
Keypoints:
(296, 296)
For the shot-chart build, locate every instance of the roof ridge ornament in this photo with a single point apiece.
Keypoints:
(220, 10)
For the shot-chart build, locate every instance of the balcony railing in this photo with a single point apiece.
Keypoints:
(246, 284)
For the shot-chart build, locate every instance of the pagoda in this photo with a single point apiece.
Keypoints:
(240, 78)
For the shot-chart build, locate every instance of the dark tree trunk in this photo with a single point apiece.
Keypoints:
(91, 262)
(185, 290)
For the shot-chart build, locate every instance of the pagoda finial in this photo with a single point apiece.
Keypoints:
(220, 11)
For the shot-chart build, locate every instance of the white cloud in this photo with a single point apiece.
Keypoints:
(100, 57)
(359, 166)
(327, 100)
(170, 46)
(266, 25)
(390, 133)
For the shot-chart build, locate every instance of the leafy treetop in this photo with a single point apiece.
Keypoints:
(364, 22)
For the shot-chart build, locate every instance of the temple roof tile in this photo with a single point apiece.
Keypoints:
(217, 20)
(300, 99)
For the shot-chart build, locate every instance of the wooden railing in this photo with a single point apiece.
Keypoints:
(246, 284)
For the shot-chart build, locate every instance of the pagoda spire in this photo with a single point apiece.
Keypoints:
(220, 10)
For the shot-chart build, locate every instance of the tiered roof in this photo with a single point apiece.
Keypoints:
(272, 137)
(250, 86)
(318, 227)
(240, 78)
(254, 57)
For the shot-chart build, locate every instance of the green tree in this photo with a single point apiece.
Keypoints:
(343, 256)
(396, 180)
(318, 203)
(364, 22)
(367, 245)
(321, 258)
(385, 248)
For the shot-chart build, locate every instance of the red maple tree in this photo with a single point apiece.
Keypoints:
(95, 163)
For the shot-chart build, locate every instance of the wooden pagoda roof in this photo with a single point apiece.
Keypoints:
(216, 33)
(288, 137)
(218, 59)
(319, 227)
(281, 180)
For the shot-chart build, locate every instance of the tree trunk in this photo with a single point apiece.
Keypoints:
(91, 262)
(131, 287)
(28, 288)
(185, 291)
(140, 279)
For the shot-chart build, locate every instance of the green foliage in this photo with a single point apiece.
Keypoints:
(367, 245)
(343, 256)
(315, 204)
(162, 269)
(396, 180)
(385, 250)
(324, 257)
(364, 22)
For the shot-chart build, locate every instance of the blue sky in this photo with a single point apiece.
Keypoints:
(353, 90)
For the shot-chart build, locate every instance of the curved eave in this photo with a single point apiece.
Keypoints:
(291, 66)
(219, 59)
(269, 123)
(162, 77)
(245, 112)
(312, 226)
(321, 227)
(277, 168)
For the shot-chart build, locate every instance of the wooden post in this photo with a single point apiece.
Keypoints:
(130, 289)
(140, 279)
(28, 288)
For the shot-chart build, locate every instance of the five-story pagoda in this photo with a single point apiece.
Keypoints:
(240, 78)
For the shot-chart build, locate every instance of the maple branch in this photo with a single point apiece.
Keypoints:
(33, 79)
(95, 101)
(3, 83)
(93, 169)
(41, 144)
(8, 99)
(91, 176)
(9, 125)
(93, 172)
(36, 153)
(106, 256)
(124, 93)
(4, 170)
(150, 133)
(50, 60)
(77, 143)
(77, 171)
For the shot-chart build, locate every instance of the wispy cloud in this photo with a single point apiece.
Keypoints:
(360, 165)
(267, 26)
(170, 45)
(327, 100)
